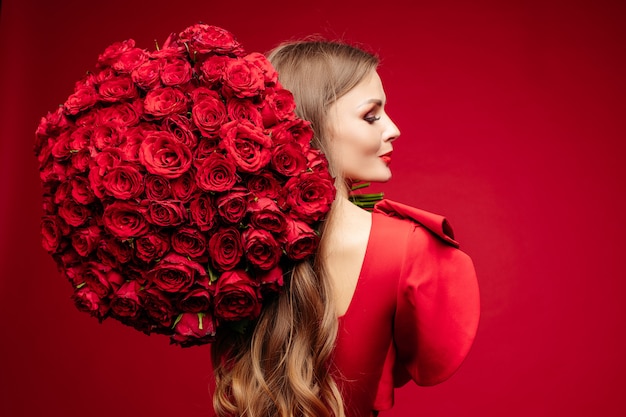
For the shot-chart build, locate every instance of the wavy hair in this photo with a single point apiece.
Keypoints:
(281, 367)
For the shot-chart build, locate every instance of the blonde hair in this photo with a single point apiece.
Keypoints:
(282, 367)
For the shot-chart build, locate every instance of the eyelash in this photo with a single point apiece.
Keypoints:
(371, 119)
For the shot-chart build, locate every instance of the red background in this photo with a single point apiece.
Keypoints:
(512, 119)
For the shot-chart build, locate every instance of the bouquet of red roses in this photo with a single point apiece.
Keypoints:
(179, 185)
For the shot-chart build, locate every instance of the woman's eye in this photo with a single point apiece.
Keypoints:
(370, 118)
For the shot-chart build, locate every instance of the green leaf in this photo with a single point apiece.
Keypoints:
(180, 316)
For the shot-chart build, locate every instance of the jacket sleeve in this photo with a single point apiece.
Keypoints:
(438, 304)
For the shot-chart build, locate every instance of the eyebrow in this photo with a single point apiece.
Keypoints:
(376, 101)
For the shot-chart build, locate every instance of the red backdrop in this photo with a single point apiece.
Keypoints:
(512, 119)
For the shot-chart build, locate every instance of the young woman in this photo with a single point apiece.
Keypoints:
(151, 210)
(389, 297)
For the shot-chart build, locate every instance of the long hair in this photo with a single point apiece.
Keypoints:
(281, 368)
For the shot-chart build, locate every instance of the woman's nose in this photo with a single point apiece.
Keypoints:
(392, 131)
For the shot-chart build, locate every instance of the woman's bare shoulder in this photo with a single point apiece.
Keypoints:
(345, 252)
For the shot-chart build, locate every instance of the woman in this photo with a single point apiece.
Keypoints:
(179, 186)
(365, 316)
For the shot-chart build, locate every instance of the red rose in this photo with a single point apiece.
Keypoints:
(82, 99)
(271, 281)
(81, 160)
(120, 115)
(196, 301)
(102, 279)
(130, 59)
(52, 171)
(237, 297)
(209, 113)
(105, 160)
(300, 240)
(81, 191)
(194, 329)
(85, 240)
(80, 138)
(176, 72)
(288, 159)
(242, 79)
(239, 109)
(135, 137)
(212, 70)
(123, 182)
(125, 220)
(309, 196)
(53, 228)
(162, 102)
(111, 252)
(60, 192)
(104, 137)
(51, 125)
(102, 76)
(184, 186)
(216, 173)
(170, 48)
(157, 306)
(298, 131)
(166, 213)
(117, 89)
(225, 248)
(279, 106)
(175, 274)
(246, 144)
(189, 241)
(317, 161)
(266, 215)
(202, 211)
(114, 51)
(261, 248)
(68, 258)
(233, 206)
(88, 301)
(204, 39)
(148, 74)
(206, 147)
(152, 246)
(125, 302)
(261, 62)
(63, 147)
(163, 155)
(181, 127)
(74, 214)
(264, 184)
(157, 187)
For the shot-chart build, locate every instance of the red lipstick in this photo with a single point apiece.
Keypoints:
(386, 158)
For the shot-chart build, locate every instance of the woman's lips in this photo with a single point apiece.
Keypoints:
(386, 158)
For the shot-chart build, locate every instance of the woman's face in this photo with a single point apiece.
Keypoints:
(361, 132)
